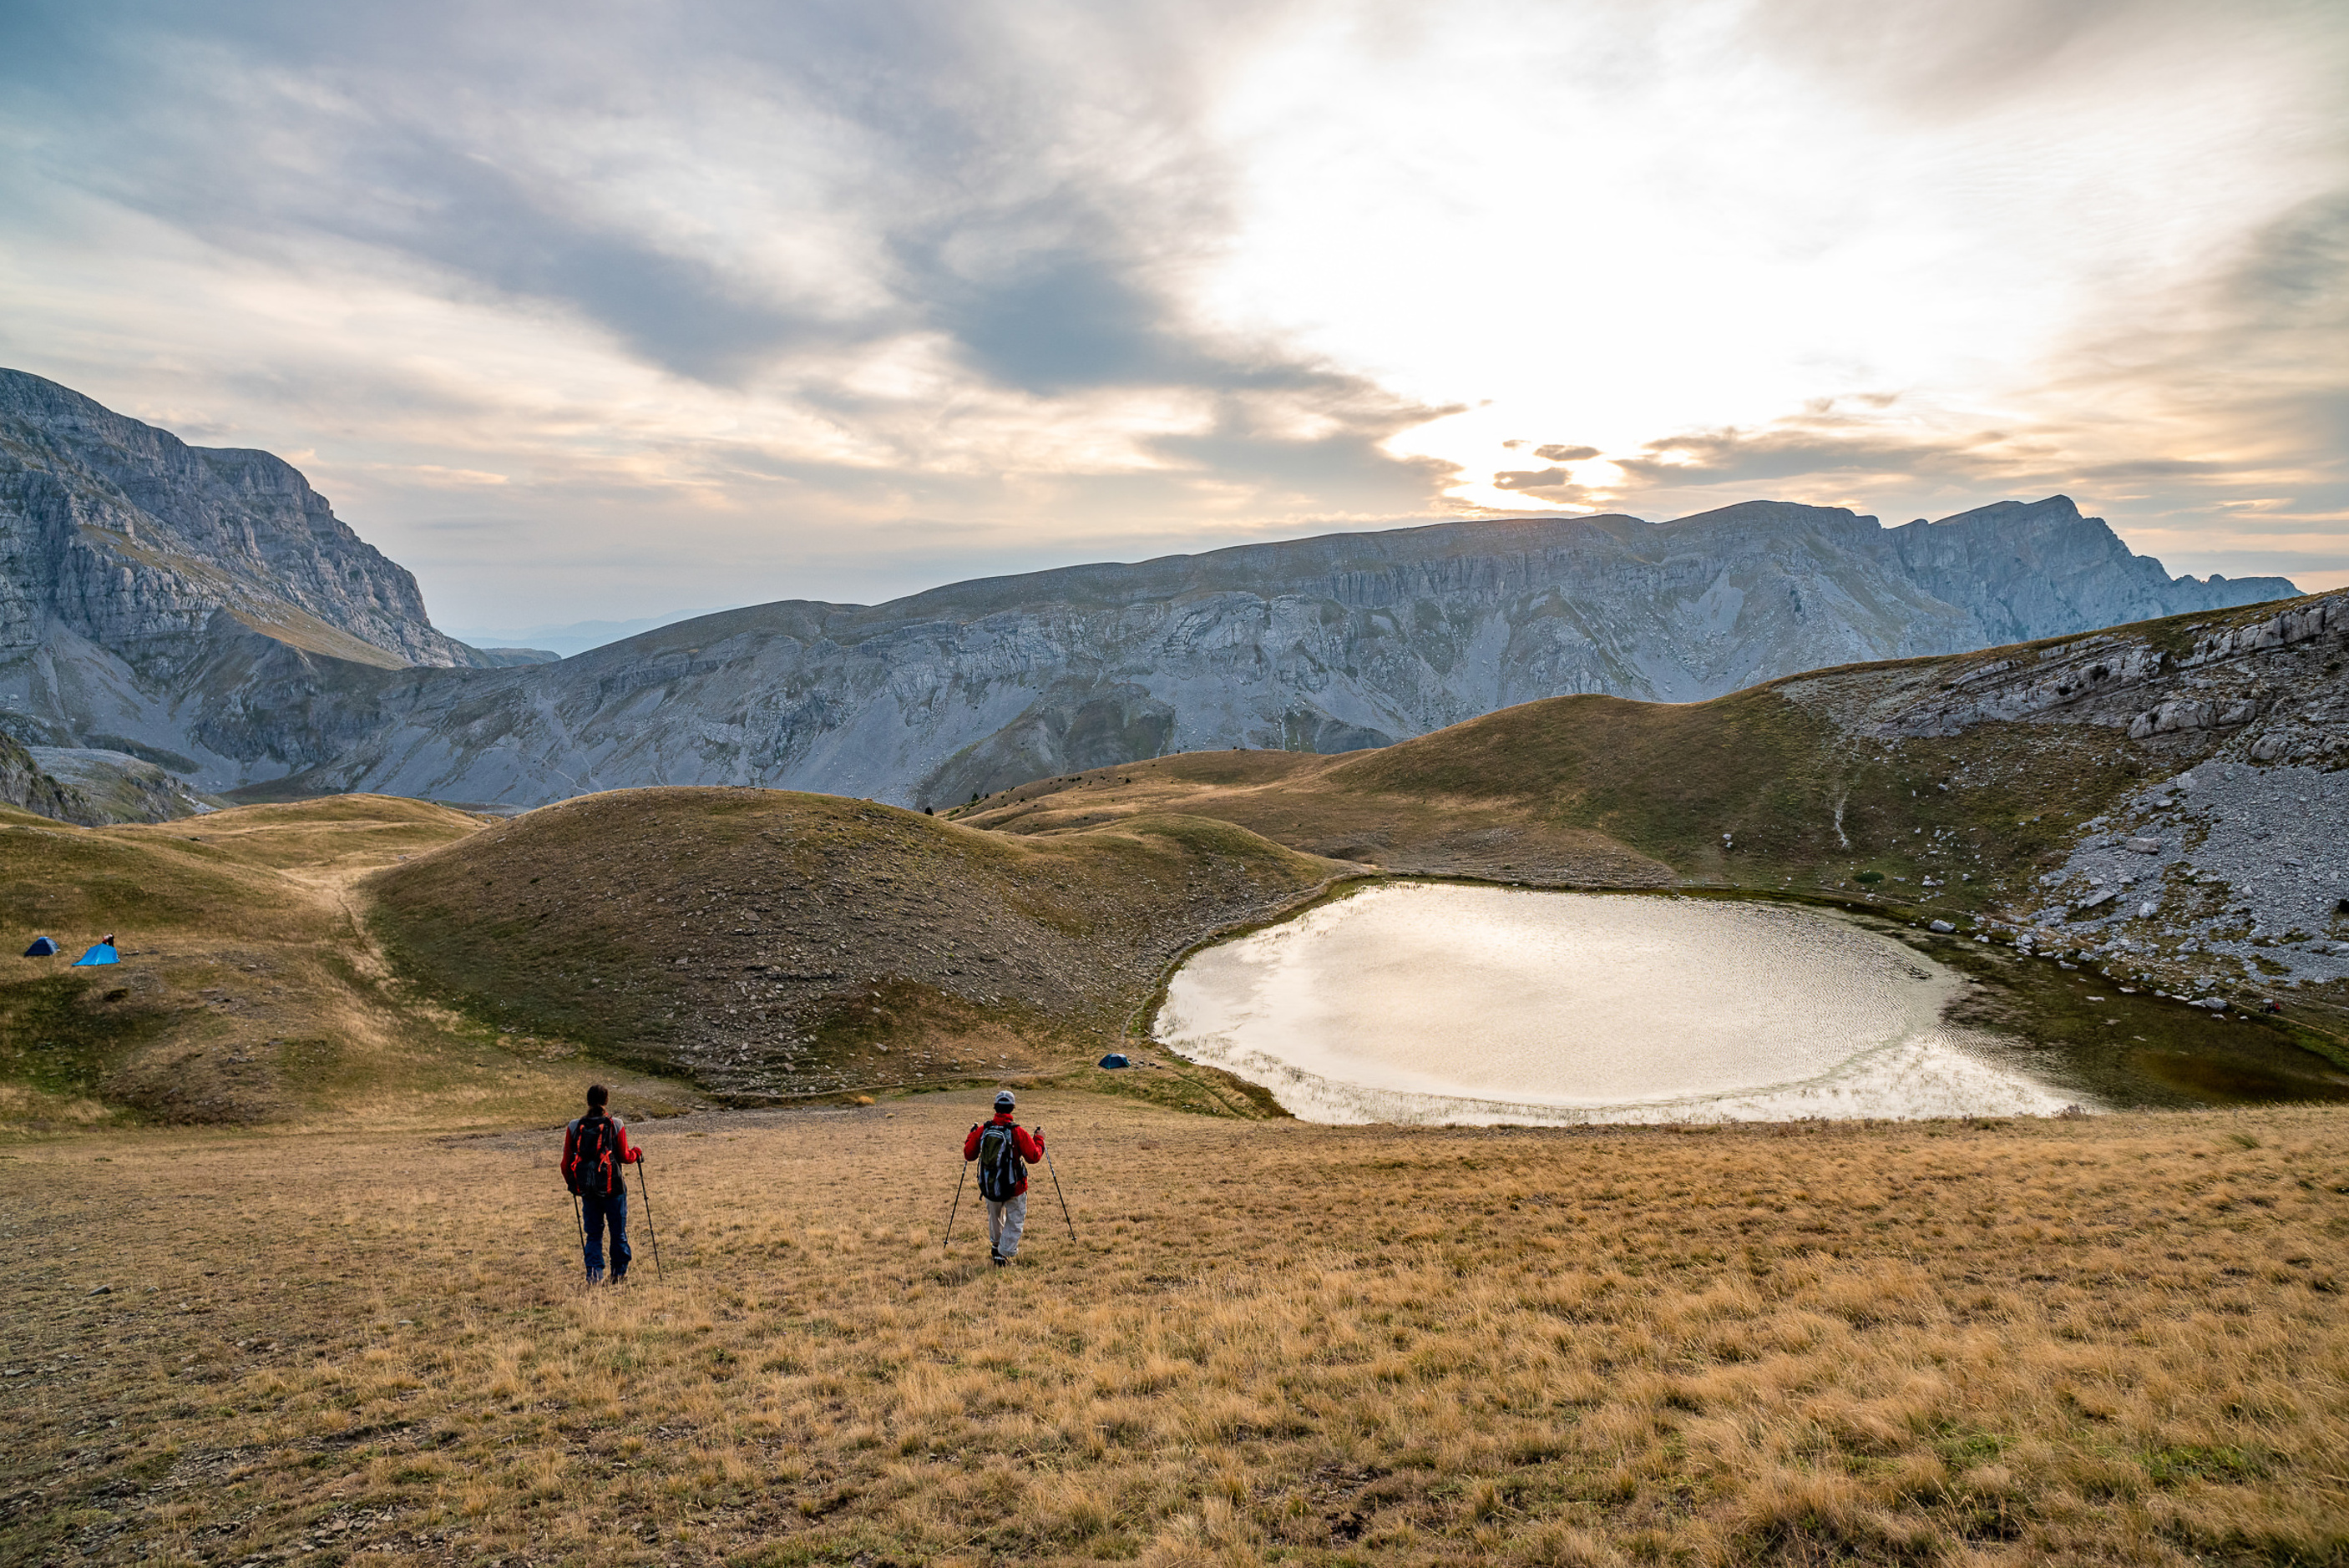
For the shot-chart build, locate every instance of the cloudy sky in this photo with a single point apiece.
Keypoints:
(587, 310)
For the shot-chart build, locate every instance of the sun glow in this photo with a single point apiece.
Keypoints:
(1145, 281)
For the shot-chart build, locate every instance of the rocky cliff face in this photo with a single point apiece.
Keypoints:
(24, 785)
(126, 556)
(206, 612)
(1320, 644)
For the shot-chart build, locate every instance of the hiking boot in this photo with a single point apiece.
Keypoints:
(595, 1276)
(620, 1278)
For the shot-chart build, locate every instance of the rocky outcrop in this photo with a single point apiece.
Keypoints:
(120, 546)
(114, 787)
(2230, 863)
(91, 787)
(2151, 683)
(25, 785)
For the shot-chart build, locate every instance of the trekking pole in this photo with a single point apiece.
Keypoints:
(579, 1213)
(949, 1240)
(646, 1188)
(1056, 1187)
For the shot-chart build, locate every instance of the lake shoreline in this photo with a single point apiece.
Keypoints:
(2005, 1032)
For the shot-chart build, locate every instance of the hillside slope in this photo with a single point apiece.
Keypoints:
(246, 993)
(2106, 1342)
(772, 943)
(2010, 783)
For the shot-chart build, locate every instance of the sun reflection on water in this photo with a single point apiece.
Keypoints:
(1440, 1003)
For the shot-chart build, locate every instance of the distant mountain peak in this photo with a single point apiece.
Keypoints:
(163, 599)
(128, 536)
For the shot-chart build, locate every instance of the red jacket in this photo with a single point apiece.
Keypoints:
(629, 1154)
(1029, 1144)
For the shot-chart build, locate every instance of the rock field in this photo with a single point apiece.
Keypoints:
(2227, 866)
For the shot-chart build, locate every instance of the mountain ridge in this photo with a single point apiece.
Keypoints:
(196, 529)
(204, 609)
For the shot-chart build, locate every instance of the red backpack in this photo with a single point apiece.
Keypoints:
(594, 1156)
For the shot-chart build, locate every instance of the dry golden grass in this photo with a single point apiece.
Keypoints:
(250, 991)
(2119, 1339)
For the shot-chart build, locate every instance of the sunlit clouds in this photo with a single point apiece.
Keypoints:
(598, 311)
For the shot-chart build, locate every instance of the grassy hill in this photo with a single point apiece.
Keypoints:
(1753, 789)
(248, 992)
(772, 943)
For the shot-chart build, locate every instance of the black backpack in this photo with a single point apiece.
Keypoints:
(595, 1157)
(1000, 1169)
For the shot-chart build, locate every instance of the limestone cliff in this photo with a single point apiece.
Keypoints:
(25, 785)
(126, 552)
(1318, 645)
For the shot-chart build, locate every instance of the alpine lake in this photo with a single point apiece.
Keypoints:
(1442, 1003)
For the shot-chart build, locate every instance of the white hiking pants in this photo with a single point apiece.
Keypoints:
(1004, 1221)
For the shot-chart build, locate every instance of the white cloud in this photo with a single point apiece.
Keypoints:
(575, 310)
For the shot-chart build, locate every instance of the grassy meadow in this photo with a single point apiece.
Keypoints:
(2116, 1339)
(1604, 791)
(249, 991)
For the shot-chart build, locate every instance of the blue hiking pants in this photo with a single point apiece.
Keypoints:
(603, 1208)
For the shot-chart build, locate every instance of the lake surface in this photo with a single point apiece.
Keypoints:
(1436, 1003)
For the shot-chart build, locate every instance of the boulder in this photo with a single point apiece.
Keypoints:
(1943, 926)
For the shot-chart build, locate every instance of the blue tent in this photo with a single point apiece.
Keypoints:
(42, 948)
(102, 954)
(1115, 1061)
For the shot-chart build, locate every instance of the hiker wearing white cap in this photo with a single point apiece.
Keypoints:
(1004, 1151)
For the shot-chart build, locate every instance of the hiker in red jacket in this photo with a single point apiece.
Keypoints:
(595, 1147)
(1004, 1151)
